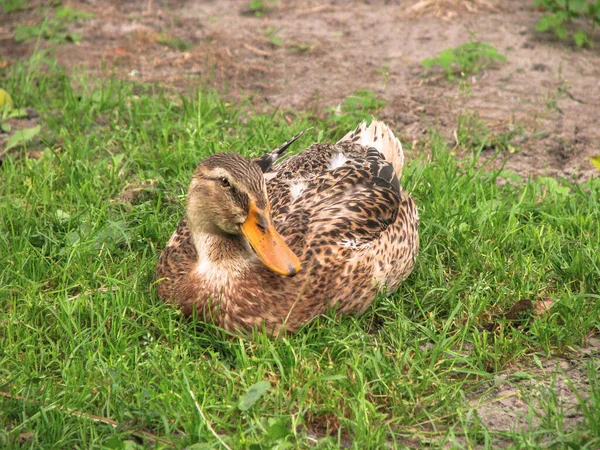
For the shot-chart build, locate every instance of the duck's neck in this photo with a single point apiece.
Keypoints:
(221, 252)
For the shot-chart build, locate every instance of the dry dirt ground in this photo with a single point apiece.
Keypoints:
(311, 54)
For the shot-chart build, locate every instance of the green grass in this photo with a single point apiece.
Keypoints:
(465, 60)
(90, 358)
(569, 18)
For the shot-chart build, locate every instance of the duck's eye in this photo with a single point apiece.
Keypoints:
(224, 182)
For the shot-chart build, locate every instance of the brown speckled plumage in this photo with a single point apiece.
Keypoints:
(341, 211)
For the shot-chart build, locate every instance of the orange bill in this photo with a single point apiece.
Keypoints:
(268, 243)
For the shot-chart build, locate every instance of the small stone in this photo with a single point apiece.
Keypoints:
(540, 67)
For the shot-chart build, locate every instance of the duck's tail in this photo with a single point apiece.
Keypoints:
(267, 160)
(380, 136)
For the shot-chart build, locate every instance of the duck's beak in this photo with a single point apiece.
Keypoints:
(268, 243)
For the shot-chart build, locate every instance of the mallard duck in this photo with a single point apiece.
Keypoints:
(274, 245)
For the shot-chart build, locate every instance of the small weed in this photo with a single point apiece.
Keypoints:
(551, 101)
(260, 7)
(466, 88)
(48, 30)
(552, 98)
(385, 73)
(13, 5)
(473, 134)
(271, 34)
(8, 111)
(301, 47)
(6, 101)
(363, 100)
(55, 29)
(466, 59)
(174, 43)
(71, 14)
(359, 106)
(20, 137)
(560, 15)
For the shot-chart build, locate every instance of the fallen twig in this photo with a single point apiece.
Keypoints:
(212, 430)
(255, 50)
(318, 9)
(99, 419)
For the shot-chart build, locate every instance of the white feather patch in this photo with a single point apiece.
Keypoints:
(349, 243)
(337, 161)
(269, 175)
(296, 189)
(172, 240)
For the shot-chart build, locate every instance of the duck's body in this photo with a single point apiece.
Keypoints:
(338, 208)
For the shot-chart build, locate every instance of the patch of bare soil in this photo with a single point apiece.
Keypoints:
(522, 397)
(311, 54)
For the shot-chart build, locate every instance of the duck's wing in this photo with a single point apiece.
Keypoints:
(175, 261)
(336, 204)
(323, 157)
(347, 207)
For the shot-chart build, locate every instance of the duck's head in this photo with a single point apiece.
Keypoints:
(228, 196)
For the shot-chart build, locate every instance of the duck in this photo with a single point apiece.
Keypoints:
(274, 242)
